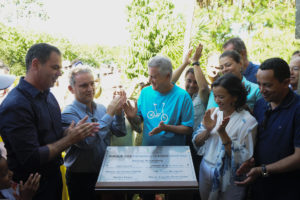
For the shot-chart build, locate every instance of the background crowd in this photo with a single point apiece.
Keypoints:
(241, 121)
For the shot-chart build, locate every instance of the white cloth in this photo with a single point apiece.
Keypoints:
(206, 175)
(199, 110)
(242, 131)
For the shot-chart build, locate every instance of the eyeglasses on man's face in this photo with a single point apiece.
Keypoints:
(294, 68)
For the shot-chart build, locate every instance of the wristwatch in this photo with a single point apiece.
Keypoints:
(264, 171)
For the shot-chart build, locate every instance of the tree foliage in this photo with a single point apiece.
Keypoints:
(154, 28)
(15, 43)
(267, 27)
(14, 11)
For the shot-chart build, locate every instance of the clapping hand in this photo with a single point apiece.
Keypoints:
(160, 128)
(28, 189)
(121, 100)
(208, 122)
(197, 53)
(130, 110)
(223, 125)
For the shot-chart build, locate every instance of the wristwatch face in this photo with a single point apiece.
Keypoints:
(265, 174)
(264, 171)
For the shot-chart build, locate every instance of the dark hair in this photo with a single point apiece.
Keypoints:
(190, 70)
(279, 66)
(232, 54)
(234, 87)
(238, 44)
(295, 52)
(41, 51)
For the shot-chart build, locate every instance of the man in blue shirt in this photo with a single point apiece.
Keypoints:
(277, 151)
(31, 124)
(165, 109)
(249, 69)
(83, 160)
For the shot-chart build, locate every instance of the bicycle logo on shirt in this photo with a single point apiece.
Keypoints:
(154, 114)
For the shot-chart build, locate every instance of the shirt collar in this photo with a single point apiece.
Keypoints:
(30, 89)
(287, 101)
(83, 107)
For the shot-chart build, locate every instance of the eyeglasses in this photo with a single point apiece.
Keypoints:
(294, 68)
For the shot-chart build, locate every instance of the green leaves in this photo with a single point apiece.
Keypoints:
(153, 26)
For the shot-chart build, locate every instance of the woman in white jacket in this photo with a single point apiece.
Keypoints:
(225, 139)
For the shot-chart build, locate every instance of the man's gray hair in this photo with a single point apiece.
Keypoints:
(163, 64)
(79, 69)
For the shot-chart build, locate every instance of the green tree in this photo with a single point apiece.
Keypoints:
(153, 27)
(12, 11)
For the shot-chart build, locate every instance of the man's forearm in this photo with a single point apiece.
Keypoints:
(136, 123)
(179, 129)
(57, 147)
(286, 164)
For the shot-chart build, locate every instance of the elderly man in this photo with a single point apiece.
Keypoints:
(165, 109)
(294, 69)
(31, 123)
(249, 69)
(277, 151)
(83, 160)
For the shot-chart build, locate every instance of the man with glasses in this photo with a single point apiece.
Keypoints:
(294, 69)
(83, 160)
(276, 174)
(31, 127)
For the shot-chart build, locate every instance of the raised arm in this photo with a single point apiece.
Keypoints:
(131, 114)
(199, 76)
(177, 73)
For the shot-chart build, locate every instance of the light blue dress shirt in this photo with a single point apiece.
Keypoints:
(86, 156)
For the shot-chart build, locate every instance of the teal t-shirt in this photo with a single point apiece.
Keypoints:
(173, 108)
(252, 97)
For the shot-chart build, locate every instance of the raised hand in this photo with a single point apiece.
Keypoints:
(208, 122)
(158, 129)
(130, 110)
(187, 58)
(223, 125)
(197, 53)
(28, 189)
(121, 101)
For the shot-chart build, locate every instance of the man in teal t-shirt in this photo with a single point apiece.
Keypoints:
(165, 109)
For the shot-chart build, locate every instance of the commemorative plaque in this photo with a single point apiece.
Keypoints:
(147, 166)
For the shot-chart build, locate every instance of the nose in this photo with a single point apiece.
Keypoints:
(59, 72)
(224, 70)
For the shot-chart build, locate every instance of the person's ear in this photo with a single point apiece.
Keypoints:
(71, 89)
(35, 64)
(244, 53)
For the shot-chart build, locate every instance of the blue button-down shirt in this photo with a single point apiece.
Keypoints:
(86, 156)
(30, 119)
